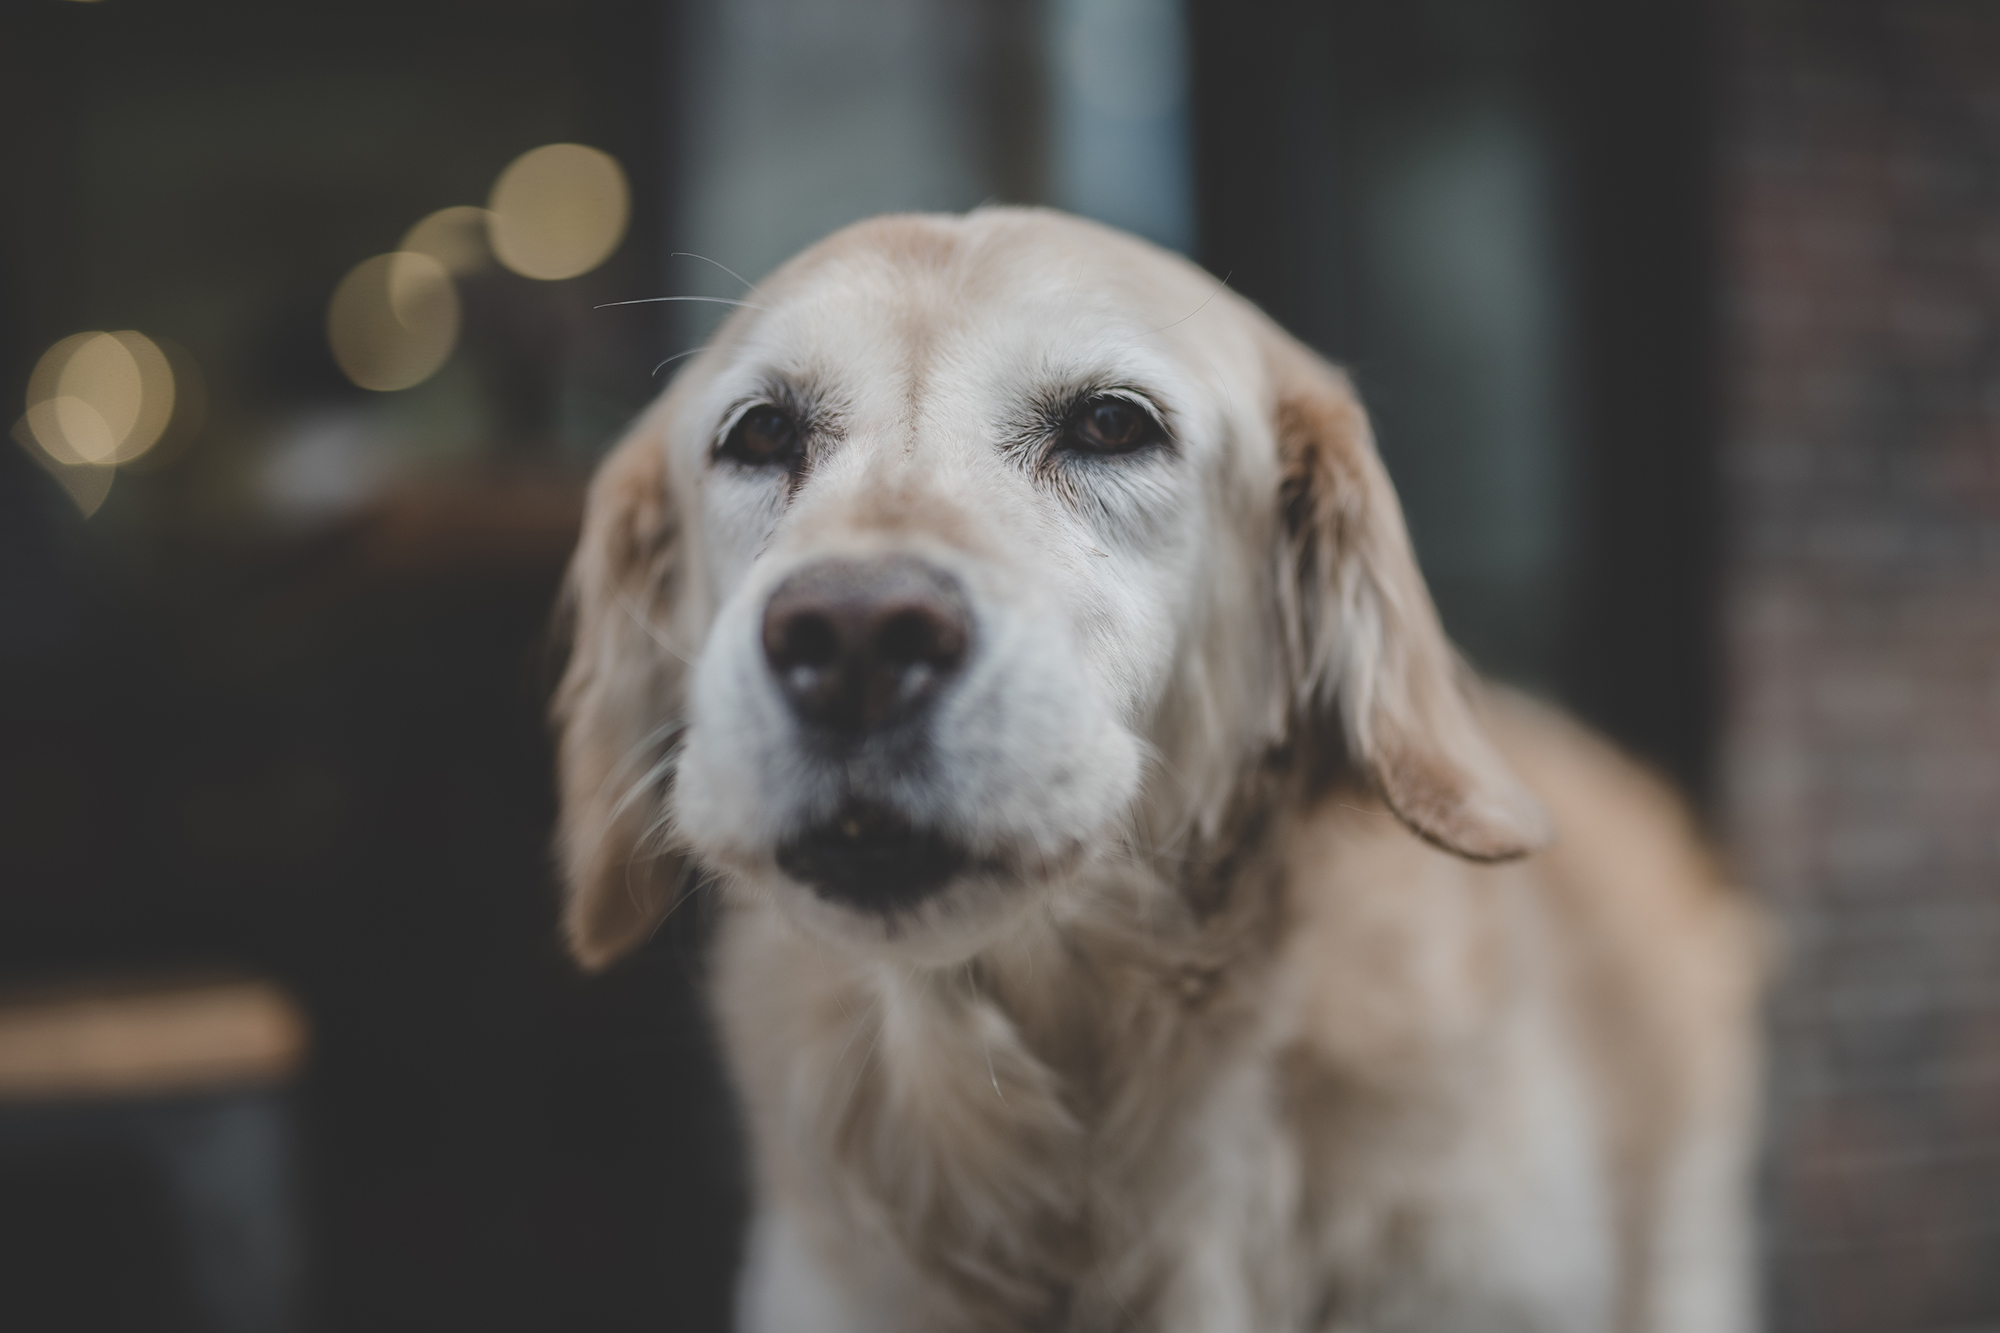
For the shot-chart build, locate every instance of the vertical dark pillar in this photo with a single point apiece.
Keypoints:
(1632, 98)
(1309, 117)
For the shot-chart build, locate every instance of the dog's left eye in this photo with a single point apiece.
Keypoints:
(765, 436)
(1108, 425)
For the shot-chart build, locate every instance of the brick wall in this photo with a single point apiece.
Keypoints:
(1861, 757)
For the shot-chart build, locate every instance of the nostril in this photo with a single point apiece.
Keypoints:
(919, 637)
(808, 640)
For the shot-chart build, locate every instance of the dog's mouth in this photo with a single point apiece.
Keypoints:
(871, 858)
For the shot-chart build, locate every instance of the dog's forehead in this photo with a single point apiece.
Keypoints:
(941, 312)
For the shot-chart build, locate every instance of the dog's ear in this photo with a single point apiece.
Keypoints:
(617, 709)
(1363, 638)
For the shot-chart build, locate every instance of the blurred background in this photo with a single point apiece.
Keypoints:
(1680, 321)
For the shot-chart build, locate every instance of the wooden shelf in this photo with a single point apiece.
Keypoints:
(113, 1038)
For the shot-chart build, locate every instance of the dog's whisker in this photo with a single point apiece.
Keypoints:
(679, 895)
(647, 782)
(1198, 309)
(860, 1070)
(653, 632)
(689, 254)
(710, 300)
(985, 1034)
(633, 895)
(675, 357)
(659, 830)
(986, 1040)
(645, 743)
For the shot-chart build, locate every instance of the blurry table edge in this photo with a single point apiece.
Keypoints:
(122, 1038)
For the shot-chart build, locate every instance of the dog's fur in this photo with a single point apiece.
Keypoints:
(1269, 1003)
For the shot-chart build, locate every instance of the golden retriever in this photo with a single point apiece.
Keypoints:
(1132, 914)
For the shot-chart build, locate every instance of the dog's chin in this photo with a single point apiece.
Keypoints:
(870, 859)
(872, 880)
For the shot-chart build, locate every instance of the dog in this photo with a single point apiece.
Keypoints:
(1131, 914)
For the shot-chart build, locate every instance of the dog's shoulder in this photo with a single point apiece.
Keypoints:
(1406, 953)
(1631, 881)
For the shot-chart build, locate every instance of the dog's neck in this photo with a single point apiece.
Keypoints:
(1009, 1118)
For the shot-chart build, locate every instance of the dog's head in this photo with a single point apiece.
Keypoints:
(975, 550)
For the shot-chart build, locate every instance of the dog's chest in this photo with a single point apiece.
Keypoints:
(1079, 1147)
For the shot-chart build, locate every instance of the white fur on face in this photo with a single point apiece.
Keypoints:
(930, 390)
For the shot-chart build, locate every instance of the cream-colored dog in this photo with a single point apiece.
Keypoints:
(1133, 917)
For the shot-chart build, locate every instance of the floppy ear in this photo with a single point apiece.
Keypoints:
(1363, 637)
(618, 707)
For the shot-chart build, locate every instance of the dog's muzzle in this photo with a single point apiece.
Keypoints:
(861, 650)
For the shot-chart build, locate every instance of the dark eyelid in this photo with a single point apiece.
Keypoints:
(1119, 393)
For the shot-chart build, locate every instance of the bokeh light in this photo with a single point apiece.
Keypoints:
(393, 320)
(455, 237)
(558, 211)
(100, 399)
(95, 401)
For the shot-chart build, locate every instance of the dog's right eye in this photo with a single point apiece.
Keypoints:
(765, 436)
(1107, 425)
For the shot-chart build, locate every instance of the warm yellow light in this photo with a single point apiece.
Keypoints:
(97, 397)
(159, 397)
(393, 320)
(558, 211)
(100, 399)
(455, 237)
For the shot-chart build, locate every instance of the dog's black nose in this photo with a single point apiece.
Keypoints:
(859, 645)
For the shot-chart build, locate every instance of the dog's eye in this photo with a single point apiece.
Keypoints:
(1110, 426)
(765, 436)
